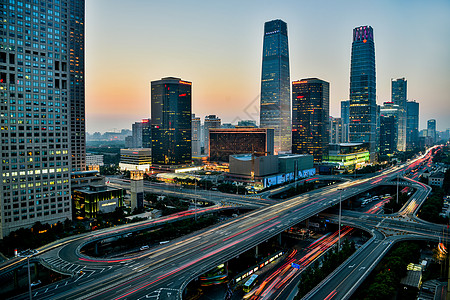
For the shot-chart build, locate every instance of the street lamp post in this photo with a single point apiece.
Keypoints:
(29, 275)
(339, 224)
(397, 188)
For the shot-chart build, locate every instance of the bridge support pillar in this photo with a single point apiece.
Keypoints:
(256, 251)
(279, 239)
(16, 279)
(307, 223)
(96, 249)
(36, 270)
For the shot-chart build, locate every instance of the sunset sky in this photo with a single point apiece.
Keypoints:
(218, 46)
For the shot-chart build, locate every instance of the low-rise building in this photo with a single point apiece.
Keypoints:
(349, 155)
(135, 159)
(436, 179)
(94, 159)
(93, 199)
(266, 171)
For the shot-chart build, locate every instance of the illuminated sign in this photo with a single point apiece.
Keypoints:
(182, 95)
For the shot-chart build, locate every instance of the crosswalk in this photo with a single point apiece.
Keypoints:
(65, 267)
(162, 294)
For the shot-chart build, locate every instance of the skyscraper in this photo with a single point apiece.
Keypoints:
(196, 135)
(76, 87)
(399, 90)
(363, 105)
(388, 134)
(310, 117)
(42, 121)
(275, 84)
(171, 121)
(412, 124)
(345, 116)
(336, 131)
(431, 129)
(211, 121)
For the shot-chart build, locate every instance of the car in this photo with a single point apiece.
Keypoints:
(144, 247)
(35, 283)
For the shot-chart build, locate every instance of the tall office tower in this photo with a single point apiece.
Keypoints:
(431, 129)
(275, 111)
(399, 90)
(196, 128)
(336, 131)
(211, 121)
(171, 121)
(141, 134)
(76, 76)
(363, 88)
(41, 91)
(345, 116)
(412, 124)
(388, 134)
(310, 118)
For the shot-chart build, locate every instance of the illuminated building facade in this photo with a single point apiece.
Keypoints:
(412, 124)
(363, 105)
(42, 121)
(225, 142)
(171, 121)
(349, 155)
(399, 90)
(135, 159)
(89, 201)
(336, 131)
(275, 84)
(310, 118)
(76, 76)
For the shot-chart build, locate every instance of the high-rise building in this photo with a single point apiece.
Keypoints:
(387, 143)
(140, 135)
(363, 105)
(42, 116)
(336, 131)
(310, 118)
(399, 91)
(431, 129)
(275, 109)
(76, 78)
(211, 121)
(388, 134)
(196, 135)
(171, 121)
(345, 116)
(412, 124)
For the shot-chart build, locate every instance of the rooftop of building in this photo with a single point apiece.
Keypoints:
(96, 188)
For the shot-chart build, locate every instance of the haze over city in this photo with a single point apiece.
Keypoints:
(218, 46)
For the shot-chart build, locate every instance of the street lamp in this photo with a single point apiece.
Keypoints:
(29, 274)
(340, 212)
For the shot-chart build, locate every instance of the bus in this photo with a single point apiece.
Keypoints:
(249, 284)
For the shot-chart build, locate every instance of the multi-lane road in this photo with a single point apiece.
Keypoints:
(163, 272)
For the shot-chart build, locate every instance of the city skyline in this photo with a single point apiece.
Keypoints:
(223, 59)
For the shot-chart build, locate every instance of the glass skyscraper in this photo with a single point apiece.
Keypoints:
(345, 116)
(171, 121)
(310, 118)
(363, 107)
(412, 124)
(275, 111)
(41, 109)
(399, 98)
(431, 129)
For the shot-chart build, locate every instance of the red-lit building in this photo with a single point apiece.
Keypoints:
(231, 141)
